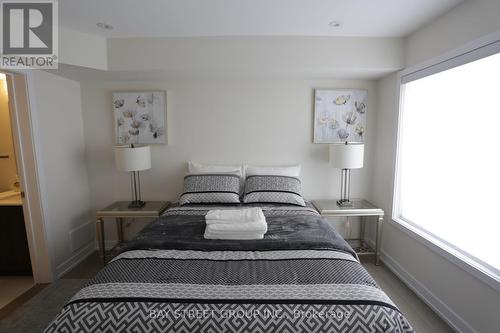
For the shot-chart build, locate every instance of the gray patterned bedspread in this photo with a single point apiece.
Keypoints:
(302, 277)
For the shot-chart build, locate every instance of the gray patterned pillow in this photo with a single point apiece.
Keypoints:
(210, 188)
(275, 189)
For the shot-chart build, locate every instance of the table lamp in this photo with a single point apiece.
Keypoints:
(133, 158)
(346, 156)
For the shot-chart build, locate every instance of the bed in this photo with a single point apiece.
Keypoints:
(302, 277)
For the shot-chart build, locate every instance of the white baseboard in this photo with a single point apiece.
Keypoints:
(437, 305)
(75, 259)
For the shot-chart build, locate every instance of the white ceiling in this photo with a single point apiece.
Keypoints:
(175, 18)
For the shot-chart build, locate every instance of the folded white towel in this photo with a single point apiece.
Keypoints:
(209, 235)
(235, 215)
(238, 228)
(239, 224)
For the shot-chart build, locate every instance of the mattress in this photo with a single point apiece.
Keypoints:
(302, 277)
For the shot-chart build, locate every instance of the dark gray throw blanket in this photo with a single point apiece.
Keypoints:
(289, 228)
(302, 277)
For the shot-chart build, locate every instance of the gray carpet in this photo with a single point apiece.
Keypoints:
(34, 315)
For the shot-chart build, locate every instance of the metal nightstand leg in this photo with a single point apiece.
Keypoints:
(119, 229)
(379, 239)
(361, 230)
(100, 239)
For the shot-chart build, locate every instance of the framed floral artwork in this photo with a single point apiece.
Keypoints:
(339, 115)
(140, 117)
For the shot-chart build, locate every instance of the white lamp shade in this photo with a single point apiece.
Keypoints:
(347, 156)
(132, 159)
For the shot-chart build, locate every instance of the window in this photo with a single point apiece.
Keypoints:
(448, 161)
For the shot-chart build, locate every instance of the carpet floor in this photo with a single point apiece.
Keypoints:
(37, 313)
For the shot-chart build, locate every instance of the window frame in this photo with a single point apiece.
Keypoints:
(479, 49)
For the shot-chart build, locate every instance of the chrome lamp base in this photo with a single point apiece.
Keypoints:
(136, 204)
(345, 189)
(344, 203)
(135, 181)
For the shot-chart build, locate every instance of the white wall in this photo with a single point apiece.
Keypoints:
(468, 304)
(468, 21)
(81, 49)
(60, 146)
(305, 57)
(254, 121)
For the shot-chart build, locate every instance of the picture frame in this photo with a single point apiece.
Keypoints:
(339, 115)
(140, 117)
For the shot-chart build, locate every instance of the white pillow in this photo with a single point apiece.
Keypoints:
(289, 170)
(197, 168)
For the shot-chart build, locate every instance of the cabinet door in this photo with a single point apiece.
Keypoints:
(14, 252)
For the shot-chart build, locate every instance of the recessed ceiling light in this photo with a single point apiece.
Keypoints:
(105, 26)
(334, 24)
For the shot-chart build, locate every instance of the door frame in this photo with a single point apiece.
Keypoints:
(23, 133)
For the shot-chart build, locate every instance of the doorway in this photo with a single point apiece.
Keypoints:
(16, 275)
(26, 187)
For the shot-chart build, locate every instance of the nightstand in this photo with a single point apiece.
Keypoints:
(119, 211)
(361, 208)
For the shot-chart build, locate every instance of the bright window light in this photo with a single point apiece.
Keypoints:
(449, 158)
